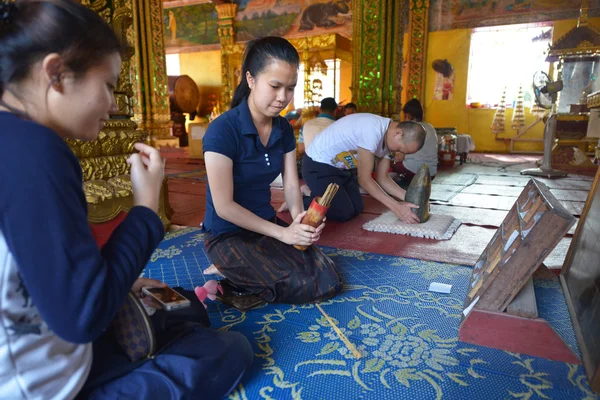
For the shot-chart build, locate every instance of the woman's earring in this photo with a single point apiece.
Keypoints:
(55, 82)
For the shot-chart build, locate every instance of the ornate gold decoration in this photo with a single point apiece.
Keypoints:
(376, 55)
(226, 14)
(122, 23)
(582, 40)
(151, 110)
(583, 14)
(593, 100)
(328, 45)
(585, 44)
(417, 53)
(106, 180)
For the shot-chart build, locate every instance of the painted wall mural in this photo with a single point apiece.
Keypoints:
(292, 18)
(457, 14)
(192, 25)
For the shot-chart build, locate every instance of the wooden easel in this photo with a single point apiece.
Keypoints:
(500, 309)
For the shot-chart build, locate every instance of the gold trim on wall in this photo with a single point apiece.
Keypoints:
(593, 100)
(152, 92)
(226, 15)
(418, 32)
(377, 38)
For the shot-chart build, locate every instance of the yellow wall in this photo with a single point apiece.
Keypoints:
(205, 69)
(454, 46)
(345, 82)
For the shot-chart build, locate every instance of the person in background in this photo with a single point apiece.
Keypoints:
(308, 131)
(59, 66)
(245, 149)
(350, 108)
(311, 128)
(344, 153)
(407, 165)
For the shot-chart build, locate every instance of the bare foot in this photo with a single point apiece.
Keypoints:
(283, 207)
(212, 270)
(305, 190)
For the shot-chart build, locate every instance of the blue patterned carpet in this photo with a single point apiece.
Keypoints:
(407, 336)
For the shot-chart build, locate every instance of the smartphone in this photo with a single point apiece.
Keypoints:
(236, 298)
(168, 298)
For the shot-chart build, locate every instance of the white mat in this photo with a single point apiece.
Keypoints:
(439, 226)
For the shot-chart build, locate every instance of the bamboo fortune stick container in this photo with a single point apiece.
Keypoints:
(318, 209)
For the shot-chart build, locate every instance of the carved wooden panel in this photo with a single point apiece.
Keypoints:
(531, 229)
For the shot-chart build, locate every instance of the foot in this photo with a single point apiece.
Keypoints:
(283, 208)
(305, 190)
(212, 270)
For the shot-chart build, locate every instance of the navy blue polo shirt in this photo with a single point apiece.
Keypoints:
(255, 166)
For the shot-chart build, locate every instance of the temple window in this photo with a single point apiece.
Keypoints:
(506, 57)
(173, 65)
(324, 82)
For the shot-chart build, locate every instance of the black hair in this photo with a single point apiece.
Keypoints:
(32, 29)
(258, 54)
(350, 105)
(414, 108)
(413, 132)
(328, 104)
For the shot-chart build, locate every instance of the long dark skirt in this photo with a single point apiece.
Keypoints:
(273, 270)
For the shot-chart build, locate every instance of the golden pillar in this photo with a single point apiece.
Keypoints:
(418, 28)
(377, 40)
(230, 62)
(106, 180)
(150, 86)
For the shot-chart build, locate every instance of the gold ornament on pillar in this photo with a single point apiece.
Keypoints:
(151, 90)
(230, 57)
(377, 40)
(106, 181)
(418, 31)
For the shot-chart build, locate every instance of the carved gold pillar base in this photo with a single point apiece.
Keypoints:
(157, 137)
(164, 142)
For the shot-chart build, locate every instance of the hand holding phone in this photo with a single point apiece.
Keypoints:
(168, 298)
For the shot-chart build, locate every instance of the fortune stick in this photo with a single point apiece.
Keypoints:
(339, 333)
(318, 208)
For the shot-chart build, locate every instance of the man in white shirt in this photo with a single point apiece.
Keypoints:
(406, 166)
(333, 157)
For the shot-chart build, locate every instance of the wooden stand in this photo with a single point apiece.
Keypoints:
(501, 309)
(580, 279)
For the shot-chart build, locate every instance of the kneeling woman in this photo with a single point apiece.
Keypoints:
(245, 149)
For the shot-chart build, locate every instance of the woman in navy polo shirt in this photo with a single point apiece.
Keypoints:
(245, 149)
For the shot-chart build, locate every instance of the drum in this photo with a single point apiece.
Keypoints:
(183, 94)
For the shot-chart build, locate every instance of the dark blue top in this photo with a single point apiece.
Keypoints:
(255, 166)
(76, 287)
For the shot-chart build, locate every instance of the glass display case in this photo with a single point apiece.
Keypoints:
(579, 79)
(575, 59)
